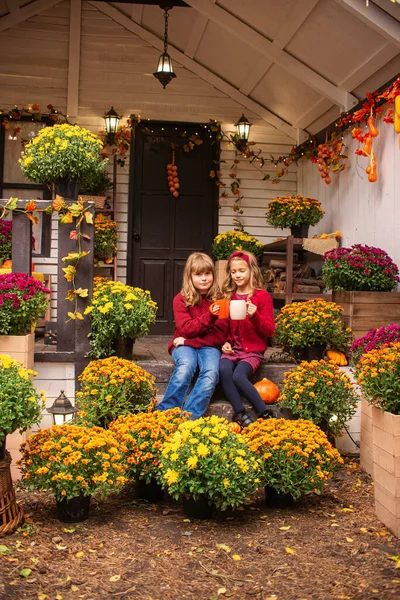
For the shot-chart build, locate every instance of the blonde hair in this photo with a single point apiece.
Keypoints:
(256, 279)
(197, 263)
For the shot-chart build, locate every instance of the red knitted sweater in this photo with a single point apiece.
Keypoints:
(253, 331)
(197, 325)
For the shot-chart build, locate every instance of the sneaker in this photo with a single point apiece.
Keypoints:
(243, 419)
(267, 414)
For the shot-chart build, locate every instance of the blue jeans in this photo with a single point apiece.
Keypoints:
(187, 360)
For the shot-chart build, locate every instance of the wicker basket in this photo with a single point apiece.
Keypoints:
(11, 514)
(99, 201)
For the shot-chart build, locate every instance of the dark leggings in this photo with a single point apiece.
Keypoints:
(235, 379)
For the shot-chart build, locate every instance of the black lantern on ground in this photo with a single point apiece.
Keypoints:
(165, 71)
(111, 119)
(243, 131)
(62, 410)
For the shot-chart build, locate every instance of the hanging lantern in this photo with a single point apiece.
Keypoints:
(62, 410)
(165, 70)
(243, 129)
(111, 119)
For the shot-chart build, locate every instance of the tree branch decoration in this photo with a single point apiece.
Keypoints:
(10, 118)
(67, 212)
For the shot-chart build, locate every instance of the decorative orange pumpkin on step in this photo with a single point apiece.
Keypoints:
(7, 264)
(235, 427)
(268, 390)
(338, 358)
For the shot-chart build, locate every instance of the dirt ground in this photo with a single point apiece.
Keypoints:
(330, 547)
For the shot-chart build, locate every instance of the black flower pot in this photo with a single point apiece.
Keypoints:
(310, 353)
(299, 231)
(67, 187)
(275, 499)
(124, 348)
(74, 510)
(198, 508)
(152, 492)
(3, 449)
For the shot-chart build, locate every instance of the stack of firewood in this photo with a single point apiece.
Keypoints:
(304, 278)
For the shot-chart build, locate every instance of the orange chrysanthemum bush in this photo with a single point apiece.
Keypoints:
(378, 374)
(296, 456)
(111, 387)
(321, 392)
(143, 436)
(72, 461)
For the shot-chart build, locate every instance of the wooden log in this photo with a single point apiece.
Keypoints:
(309, 281)
(279, 286)
(305, 289)
(277, 264)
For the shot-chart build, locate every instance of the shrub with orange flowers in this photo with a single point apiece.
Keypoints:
(105, 237)
(143, 436)
(73, 461)
(111, 387)
(296, 456)
(378, 374)
(321, 392)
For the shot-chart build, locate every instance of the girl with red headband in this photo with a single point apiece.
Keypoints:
(244, 351)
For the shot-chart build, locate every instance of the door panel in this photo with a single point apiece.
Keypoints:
(168, 229)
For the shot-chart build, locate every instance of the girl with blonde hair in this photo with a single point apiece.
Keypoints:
(246, 343)
(197, 339)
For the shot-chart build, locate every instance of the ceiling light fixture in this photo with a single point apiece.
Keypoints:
(165, 71)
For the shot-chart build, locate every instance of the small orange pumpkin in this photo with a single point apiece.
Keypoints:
(7, 264)
(235, 427)
(268, 390)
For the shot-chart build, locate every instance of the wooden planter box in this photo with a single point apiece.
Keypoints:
(220, 271)
(386, 453)
(21, 348)
(363, 311)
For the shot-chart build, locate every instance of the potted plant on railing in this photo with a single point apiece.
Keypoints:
(143, 435)
(105, 239)
(118, 312)
(63, 155)
(73, 462)
(306, 329)
(294, 212)
(362, 279)
(226, 243)
(111, 387)
(296, 458)
(320, 392)
(95, 186)
(378, 374)
(208, 465)
(20, 408)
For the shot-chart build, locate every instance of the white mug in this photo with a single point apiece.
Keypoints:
(238, 310)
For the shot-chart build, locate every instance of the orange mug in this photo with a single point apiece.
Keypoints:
(223, 308)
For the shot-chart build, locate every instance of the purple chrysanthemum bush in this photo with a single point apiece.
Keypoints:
(22, 300)
(376, 338)
(6, 240)
(359, 268)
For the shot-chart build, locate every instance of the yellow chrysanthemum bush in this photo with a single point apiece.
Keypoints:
(321, 392)
(20, 404)
(378, 374)
(315, 322)
(203, 458)
(230, 241)
(296, 457)
(62, 151)
(117, 311)
(71, 461)
(111, 387)
(143, 436)
(289, 211)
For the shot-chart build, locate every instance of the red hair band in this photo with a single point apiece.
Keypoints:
(239, 254)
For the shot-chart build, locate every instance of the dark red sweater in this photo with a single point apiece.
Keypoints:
(254, 331)
(197, 325)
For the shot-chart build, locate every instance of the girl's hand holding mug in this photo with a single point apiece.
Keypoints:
(227, 348)
(179, 341)
(214, 308)
(251, 308)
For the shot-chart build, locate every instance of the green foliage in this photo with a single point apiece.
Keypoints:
(117, 311)
(321, 392)
(111, 387)
(204, 457)
(96, 183)
(315, 322)
(231, 241)
(62, 151)
(20, 404)
(296, 456)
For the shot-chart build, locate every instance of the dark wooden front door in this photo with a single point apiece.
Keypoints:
(163, 230)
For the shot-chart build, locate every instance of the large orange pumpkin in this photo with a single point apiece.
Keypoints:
(268, 391)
